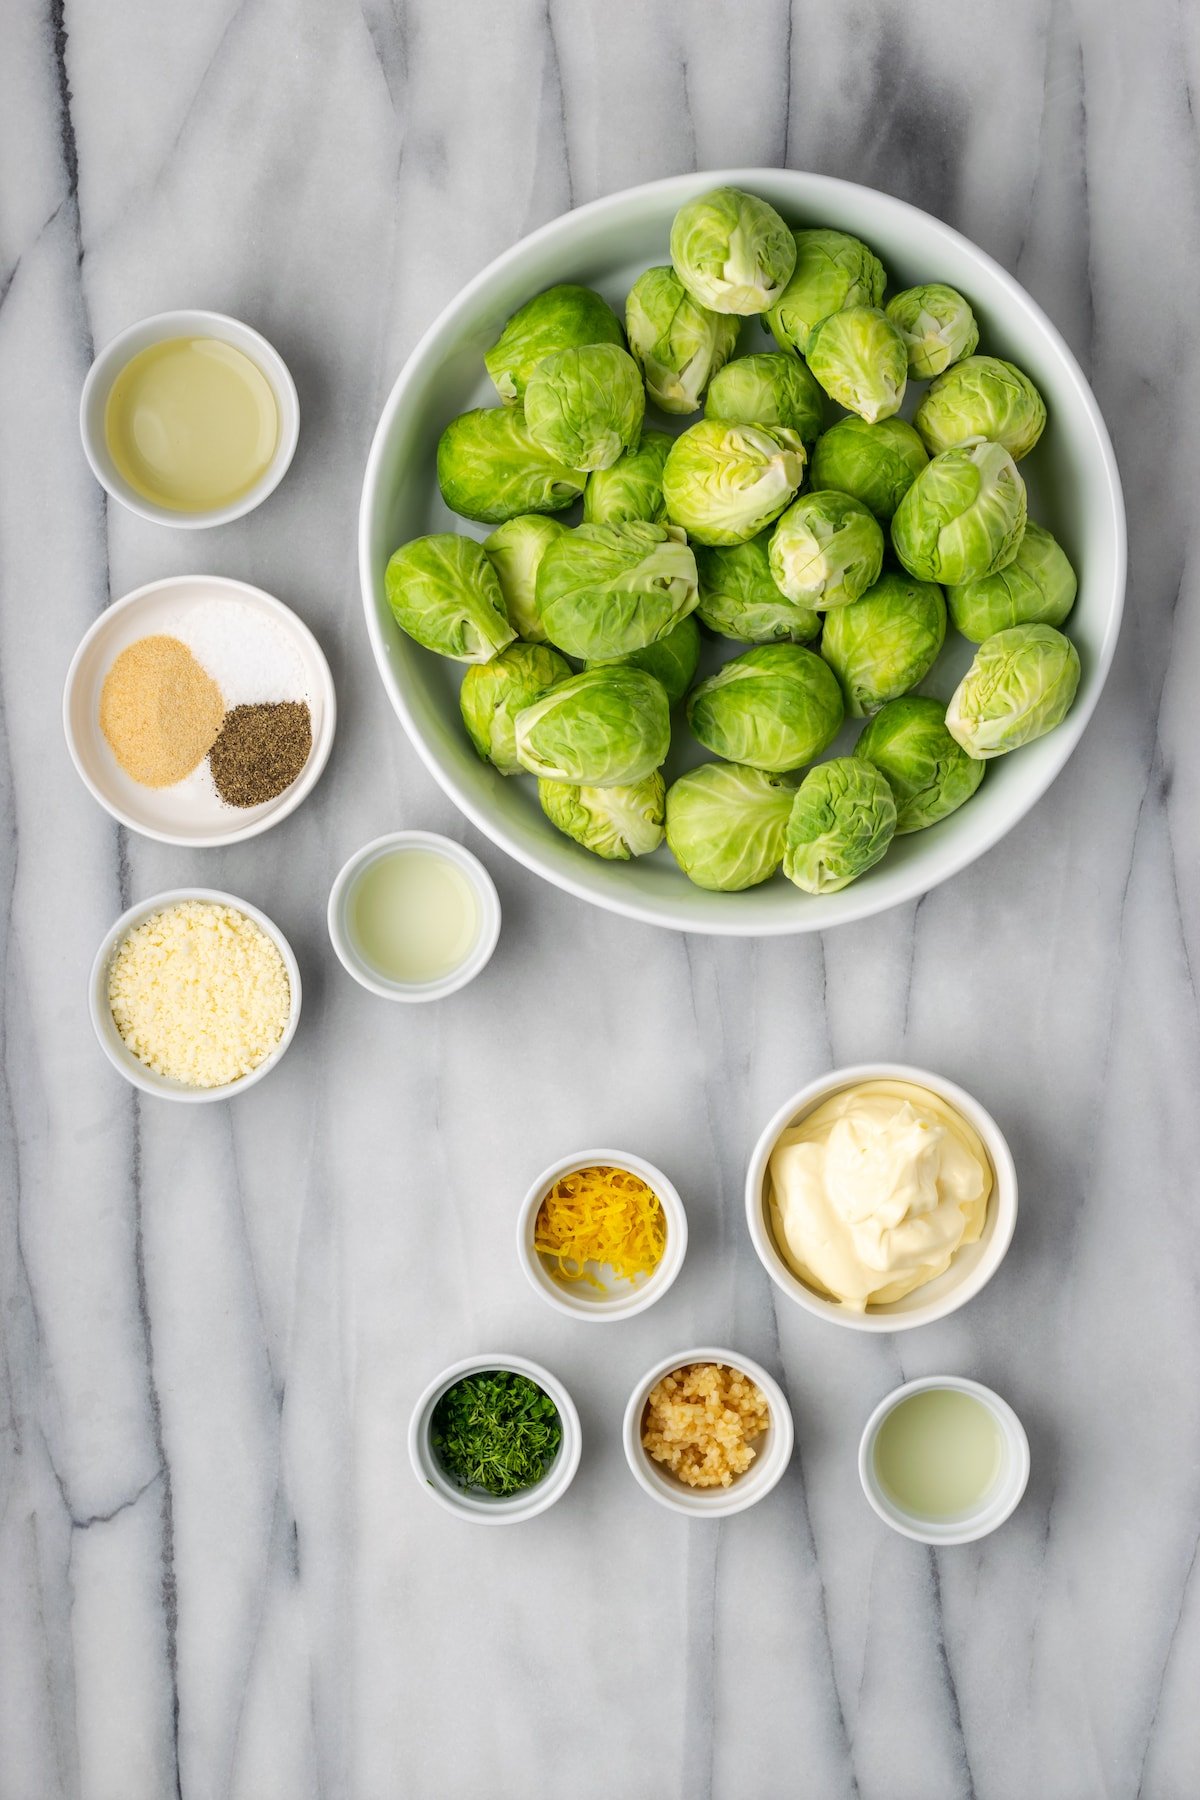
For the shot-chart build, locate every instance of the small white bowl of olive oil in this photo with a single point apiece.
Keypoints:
(189, 418)
(944, 1460)
(414, 916)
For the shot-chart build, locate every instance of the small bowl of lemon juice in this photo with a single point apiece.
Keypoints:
(414, 916)
(944, 1460)
(189, 418)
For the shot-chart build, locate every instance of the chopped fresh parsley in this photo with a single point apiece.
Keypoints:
(495, 1430)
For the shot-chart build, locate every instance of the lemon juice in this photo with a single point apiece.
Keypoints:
(413, 915)
(938, 1453)
(191, 424)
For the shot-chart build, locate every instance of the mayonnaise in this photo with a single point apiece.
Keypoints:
(874, 1191)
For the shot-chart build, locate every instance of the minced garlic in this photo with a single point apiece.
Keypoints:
(701, 1422)
(199, 993)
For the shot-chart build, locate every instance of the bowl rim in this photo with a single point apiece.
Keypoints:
(181, 322)
(711, 1503)
(675, 915)
(318, 756)
(619, 1306)
(472, 964)
(987, 1518)
(123, 1060)
(1002, 1201)
(498, 1510)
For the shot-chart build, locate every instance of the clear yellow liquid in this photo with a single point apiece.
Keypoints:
(938, 1453)
(413, 915)
(191, 424)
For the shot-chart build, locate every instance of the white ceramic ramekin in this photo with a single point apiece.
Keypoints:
(774, 1448)
(493, 1509)
(624, 1298)
(104, 1025)
(365, 973)
(996, 1506)
(156, 330)
(973, 1266)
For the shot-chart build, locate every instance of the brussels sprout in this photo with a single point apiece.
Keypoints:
(560, 319)
(832, 271)
(937, 326)
(1020, 686)
(886, 642)
(859, 358)
(604, 728)
(774, 707)
(489, 468)
(826, 550)
(723, 483)
(929, 774)
(876, 463)
(493, 693)
(982, 397)
(614, 822)
(603, 590)
(963, 516)
(739, 598)
(732, 252)
(444, 593)
(514, 550)
(672, 659)
(843, 819)
(678, 344)
(726, 825)
(1037, 587)
(584, 407)
(632, 487)
(768, 388)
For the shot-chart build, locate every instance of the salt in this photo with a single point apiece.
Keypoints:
(245, 652)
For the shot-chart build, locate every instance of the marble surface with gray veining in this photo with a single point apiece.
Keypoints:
(217, 1574)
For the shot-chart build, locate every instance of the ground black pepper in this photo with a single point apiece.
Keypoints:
(260, 751)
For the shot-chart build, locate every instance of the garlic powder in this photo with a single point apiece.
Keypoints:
(199, 993)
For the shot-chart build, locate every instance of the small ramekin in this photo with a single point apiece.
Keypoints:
(774, 1449)
(121, 350)
(364, 972)
(113, 1045)
(998, 1505)
(579, 1300)
(494, 1509)
(972, 1267)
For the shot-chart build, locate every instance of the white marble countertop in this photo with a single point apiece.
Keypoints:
(217, 1574)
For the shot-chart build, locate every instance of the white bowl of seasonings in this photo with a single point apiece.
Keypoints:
(199, 710)
(413, 916)
(194, 995)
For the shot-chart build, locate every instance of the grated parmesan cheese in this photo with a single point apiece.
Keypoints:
(199, 993)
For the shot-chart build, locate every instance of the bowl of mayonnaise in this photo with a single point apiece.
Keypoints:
(881, 1197)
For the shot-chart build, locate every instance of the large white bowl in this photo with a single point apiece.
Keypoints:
(1074, 489)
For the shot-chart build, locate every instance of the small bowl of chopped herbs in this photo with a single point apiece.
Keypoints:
(495, 1439)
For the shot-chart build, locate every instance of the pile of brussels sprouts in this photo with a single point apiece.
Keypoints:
(581, 642)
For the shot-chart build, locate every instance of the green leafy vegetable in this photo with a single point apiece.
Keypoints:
(496, 1430)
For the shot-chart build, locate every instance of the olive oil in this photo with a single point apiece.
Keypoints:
(939, 1453)
(191, 424)
(413, 915)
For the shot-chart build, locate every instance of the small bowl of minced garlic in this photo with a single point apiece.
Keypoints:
(194, 995)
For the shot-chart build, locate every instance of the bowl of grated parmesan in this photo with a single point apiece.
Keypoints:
(194, 995)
